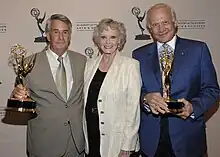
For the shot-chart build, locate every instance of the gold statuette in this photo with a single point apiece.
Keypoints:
(166, 64)
(21, 69)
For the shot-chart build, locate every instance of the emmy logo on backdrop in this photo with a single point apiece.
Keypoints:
(21, 68)
(89, 52)
(36, 13)
(136, 12)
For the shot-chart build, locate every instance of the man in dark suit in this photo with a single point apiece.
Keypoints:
(193, 82)
(57, 129)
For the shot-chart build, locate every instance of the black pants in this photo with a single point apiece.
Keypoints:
(92, 155)
(164, 148)
(134, 154)
(144, 155)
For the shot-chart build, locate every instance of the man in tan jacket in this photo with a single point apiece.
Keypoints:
(56, 131)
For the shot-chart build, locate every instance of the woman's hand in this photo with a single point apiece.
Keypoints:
(124, 153)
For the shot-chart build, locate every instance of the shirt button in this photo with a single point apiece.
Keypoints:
(66, 106)
(100, 100)
(65, 124)
(103, 134)
(102, 122)
(102, 112)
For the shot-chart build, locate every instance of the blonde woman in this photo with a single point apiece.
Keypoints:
(112, 90)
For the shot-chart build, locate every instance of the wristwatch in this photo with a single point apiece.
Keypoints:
(144, 100)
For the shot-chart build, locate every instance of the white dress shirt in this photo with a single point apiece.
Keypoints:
(54, 63)
(171, 43)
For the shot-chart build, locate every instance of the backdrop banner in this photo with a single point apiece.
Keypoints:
(23, 22)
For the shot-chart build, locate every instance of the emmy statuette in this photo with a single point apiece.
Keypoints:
(21, 68)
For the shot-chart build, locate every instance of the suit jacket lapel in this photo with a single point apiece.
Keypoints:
(91, 68)
(111, 74)
(180, 54)
(153, 54)
(73, 62)
(73, 66)
(47, 74)
(153, 65)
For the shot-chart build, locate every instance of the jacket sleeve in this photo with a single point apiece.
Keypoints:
(144, 107)
(209, 88)
(132, 114)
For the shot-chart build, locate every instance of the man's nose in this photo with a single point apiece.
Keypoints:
(161, 27)
(61, 36)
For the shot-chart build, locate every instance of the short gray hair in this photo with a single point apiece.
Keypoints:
(115, 25)
(59, 17)
(160, 5)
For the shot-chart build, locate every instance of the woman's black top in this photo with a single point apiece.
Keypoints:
(92, 114)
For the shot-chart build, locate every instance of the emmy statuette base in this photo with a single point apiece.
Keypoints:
(27, 105)
(40, 39)
(142, 37)
(174, 106)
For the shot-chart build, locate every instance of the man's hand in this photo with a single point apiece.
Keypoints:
(186, 110)
(156, 103)
(20, 92)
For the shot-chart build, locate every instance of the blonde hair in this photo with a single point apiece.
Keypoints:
(115, 25)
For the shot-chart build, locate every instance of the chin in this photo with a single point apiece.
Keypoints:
(108, 53)
(61, 47)
(164, 40)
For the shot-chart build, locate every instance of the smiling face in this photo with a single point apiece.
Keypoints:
(59, 37)
(109, 40)
(162, 24)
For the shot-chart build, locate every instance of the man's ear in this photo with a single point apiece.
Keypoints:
(149, 29)
(48, 36)
(176, 24)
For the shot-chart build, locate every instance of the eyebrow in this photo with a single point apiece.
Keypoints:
(60, 29)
